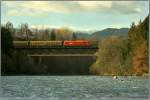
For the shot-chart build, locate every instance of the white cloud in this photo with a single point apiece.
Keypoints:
(94, 4)
(43, 8)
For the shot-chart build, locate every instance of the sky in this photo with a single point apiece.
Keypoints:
(76, 15)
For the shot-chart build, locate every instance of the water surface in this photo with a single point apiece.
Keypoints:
(72, 87)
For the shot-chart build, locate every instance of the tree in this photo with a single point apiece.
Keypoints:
(7, 48)
(140, 59)
(25, 32)
(74, 37)
(53, 35)
(9, 26)
(46, 35)
(6, 41)
(140, 48)
(64, 33)
(112, 57)
(138, 39)
(131, 35)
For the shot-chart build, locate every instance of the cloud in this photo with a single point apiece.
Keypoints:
(127, 7)
(34, 8)
(44, 26)
(43, 8)
(117, 25)
(25, 12)
(94, 4)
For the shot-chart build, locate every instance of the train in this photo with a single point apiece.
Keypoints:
(65, 43)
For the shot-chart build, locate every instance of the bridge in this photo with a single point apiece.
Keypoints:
(58, 55)
(57, 51)
(39, 58)
(56, 60)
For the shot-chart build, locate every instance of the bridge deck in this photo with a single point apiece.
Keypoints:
(55, 47)
(36, 55)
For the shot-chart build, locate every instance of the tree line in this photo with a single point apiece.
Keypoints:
(26, 33)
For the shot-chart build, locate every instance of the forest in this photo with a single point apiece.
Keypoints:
(119, 56)
(116, 56)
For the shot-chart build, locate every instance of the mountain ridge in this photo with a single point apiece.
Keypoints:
(123, 32)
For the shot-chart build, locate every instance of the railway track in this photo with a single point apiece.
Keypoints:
(49, 47)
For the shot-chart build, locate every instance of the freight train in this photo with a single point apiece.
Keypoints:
(66, 43)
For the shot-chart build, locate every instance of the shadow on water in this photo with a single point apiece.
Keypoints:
(65, 65)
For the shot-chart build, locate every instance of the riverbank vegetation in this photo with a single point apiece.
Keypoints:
(118, 56)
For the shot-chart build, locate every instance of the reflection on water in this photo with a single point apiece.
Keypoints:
(72, 87)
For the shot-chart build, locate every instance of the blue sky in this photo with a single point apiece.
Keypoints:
(77, 15)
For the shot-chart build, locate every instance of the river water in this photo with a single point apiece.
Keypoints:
(73, 88)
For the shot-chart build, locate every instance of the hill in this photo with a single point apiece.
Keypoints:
(82, 35)
(123, 32)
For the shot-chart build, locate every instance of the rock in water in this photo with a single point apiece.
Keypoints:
(115, 77)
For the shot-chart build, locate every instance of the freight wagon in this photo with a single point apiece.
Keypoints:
(66, 43)
(20, 44)
(45, 43)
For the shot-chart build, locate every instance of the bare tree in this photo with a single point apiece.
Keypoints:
(25, 31)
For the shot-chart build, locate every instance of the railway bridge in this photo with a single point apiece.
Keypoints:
(53, 48)
(62, 51)
(60, 59)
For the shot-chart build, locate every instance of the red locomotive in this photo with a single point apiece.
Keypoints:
(76, 43)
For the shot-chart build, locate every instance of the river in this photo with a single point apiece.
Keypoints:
(73, 88)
